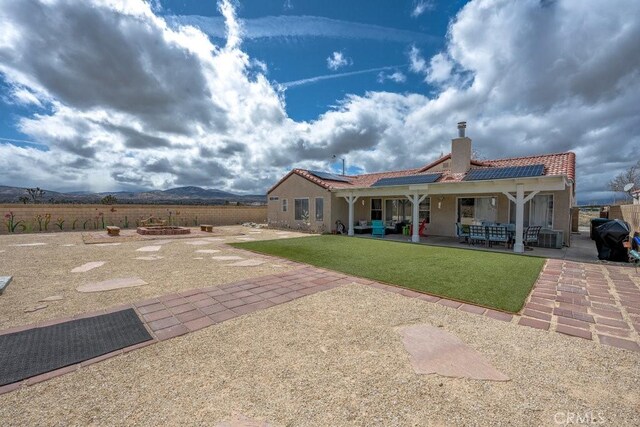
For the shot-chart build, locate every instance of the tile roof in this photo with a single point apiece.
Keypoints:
(557, 164)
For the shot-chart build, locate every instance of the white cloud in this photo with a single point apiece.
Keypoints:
(338, 60)
(168, 107)
(417, 63)
(421, 6)
(440, 68)
(396, 76)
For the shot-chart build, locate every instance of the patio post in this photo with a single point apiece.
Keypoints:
(416, 199)
(351, 199)
(518, 246)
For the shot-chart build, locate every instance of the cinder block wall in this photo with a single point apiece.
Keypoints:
(46, 217)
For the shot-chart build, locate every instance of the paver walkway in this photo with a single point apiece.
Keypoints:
(589, 301)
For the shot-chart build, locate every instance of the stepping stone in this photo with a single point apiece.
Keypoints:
(149, 249)
(88, 266)
(150, 258)
(4, 282)
(207, 251)
(433, 350)
(36, 308)
(239, 420)
(162, 242)
(248, 263)
(246, 238)
(198, 242)
(227, 258)
(52, 298)
(29, 244)
(108, 285)
(107, 244)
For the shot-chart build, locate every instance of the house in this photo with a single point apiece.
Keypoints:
(534, 190)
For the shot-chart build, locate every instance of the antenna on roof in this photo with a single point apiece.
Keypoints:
(334, 157)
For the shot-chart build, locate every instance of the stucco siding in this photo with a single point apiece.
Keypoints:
(290, 189)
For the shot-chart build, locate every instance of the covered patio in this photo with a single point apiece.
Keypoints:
(582, 248)
(426, 197)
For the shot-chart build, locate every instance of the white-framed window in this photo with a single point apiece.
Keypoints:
(301, 209)
(425, 209)
(476, 210)
(376, 209)
(319, 209)
(285, 205)
(537, 211)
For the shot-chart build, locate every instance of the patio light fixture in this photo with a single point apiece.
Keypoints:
(440, 199)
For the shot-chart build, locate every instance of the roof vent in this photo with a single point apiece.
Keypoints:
(461, 128)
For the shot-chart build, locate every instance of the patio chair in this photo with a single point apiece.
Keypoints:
(377, 228)
(498, 234)
(477, 233)
(531, 234)
(462, 231)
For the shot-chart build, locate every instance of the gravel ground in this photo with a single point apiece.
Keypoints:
(335, 358)
(44, 271)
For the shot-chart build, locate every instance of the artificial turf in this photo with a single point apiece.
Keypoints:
(495, 280)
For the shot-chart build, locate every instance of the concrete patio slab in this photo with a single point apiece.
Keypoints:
(227, 258)
(248, 263)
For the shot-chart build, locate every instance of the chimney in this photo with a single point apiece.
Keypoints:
(461, 151)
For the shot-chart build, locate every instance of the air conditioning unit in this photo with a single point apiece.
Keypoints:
(550, 239)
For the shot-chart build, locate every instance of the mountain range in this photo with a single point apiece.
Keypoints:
(179, 195)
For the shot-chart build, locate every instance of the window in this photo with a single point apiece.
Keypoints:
(537, 211)
(476, 210)
(376, 209)
(284, 205)
(425, 209)
(397, 210)
(542, 210)
(319, 209)
(301, 209)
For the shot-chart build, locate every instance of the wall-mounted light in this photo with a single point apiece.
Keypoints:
(493, 201)
(440, 199)
(362, 202)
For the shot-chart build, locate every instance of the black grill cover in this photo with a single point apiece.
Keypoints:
(609, 238)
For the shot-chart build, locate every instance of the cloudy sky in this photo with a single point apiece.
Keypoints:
(108, 95)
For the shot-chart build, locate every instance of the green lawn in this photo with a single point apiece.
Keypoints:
(496, 280)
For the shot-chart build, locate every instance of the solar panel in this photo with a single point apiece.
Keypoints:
(329, 176)
(408, 180)
(503, 173)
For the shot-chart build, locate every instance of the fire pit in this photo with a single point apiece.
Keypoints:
(158, 227)
(162, 230)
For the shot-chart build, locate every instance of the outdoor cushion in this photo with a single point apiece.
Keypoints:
(362, 223)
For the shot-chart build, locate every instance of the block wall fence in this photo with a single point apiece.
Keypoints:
(62, 217)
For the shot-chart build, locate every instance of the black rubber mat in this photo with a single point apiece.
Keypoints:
(39, 350)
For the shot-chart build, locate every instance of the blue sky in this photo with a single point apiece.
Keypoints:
(115, 95)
